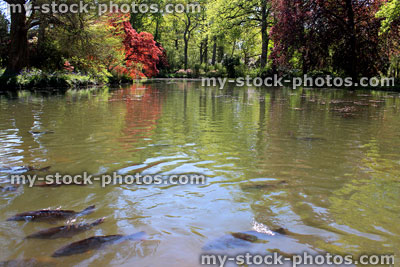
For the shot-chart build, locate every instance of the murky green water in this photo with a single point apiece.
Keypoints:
(323, 164)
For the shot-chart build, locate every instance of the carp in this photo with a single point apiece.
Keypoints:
(48, 215)
(244, 239)
(41, 133)
(306, 138)
(95, 243)
(65, 231)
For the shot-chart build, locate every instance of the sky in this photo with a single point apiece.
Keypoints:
(4, 9)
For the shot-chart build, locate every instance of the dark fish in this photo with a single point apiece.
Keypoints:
(282, 231)
(262, 185)
(242, 240)
(94, 243)
(41, 215)
(55, 184)
(307, 138)
(246, 237)
(44, 132)
(65, 231)
(233, 242)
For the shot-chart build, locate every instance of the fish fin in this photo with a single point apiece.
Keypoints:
(88, 210)
(97, 222)
(20, 218)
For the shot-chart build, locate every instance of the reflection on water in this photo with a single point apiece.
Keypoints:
(323, 164)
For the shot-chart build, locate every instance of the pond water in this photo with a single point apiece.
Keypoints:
(323, 164)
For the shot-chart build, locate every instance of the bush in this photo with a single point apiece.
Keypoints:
(230, 63)
(30, 78)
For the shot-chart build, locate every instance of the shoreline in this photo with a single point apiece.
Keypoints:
(87, 82)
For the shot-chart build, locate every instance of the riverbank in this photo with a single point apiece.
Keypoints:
(35, 78)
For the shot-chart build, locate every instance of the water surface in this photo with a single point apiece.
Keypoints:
(324, 164)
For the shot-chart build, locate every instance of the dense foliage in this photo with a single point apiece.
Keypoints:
(142, 54)
(225, 37)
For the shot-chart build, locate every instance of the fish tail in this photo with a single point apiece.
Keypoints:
(31, 236)
(20, 218)
(88, 210)
(137, 236)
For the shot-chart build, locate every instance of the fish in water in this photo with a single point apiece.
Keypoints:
(65, 231)
(44, 132)
(306, 138)
(96, 242)
(262, 185)
(47, 214)
(246, 237)
(56, 184)
(241, 240)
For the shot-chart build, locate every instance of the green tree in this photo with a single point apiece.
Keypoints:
(245, 15)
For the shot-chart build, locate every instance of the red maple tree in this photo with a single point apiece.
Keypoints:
(142, 53)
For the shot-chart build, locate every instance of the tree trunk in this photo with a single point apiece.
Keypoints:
(352, 68)
(206, 50)
(157, 32)
(221, 53)
(186, 41)
(245, 57)
(201, 52)
(233, 48)
(18, 52)
(186, 36)
(214, 55)
(42, 35)
(304, 59)
(264, 34)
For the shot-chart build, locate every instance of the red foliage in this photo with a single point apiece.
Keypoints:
(142, 53)
(68, 66)
(338, 33)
